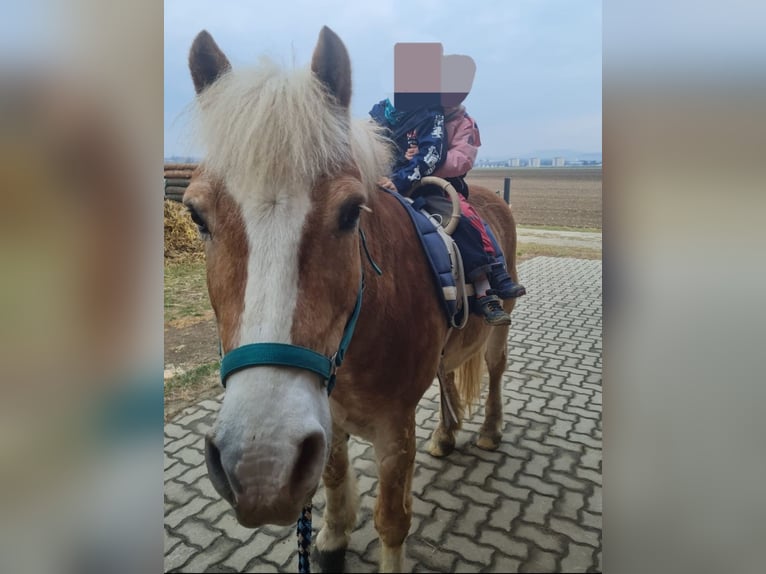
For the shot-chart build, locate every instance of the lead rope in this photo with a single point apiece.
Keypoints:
(303, 530)
(304, 540)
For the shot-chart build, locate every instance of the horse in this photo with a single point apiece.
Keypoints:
(284, 198)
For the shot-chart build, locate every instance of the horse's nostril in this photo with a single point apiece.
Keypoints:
(216, 471)
(308, 465)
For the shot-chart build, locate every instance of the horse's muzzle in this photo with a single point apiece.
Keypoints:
(260, 487)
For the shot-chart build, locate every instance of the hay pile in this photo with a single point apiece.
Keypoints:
(182, 240)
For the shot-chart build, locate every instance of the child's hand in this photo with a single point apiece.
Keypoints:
(411, 152)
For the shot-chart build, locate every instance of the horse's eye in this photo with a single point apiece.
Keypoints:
(349, 215)
(199, 222)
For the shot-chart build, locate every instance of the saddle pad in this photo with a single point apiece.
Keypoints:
(436, 254)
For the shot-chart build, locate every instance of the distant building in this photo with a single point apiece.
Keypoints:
(515, 162)
(534, 162)
(558, 162)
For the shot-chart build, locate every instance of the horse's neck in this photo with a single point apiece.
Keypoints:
(390, 236)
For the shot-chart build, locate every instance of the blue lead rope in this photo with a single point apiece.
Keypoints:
(303, 533)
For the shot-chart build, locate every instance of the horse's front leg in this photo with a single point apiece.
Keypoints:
(341, 506)
(496, 357)
(395, 454)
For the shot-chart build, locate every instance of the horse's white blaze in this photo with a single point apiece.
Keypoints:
(265, 409)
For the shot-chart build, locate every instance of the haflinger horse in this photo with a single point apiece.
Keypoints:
(286, 186)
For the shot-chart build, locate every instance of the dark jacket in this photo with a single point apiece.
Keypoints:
(422, 127)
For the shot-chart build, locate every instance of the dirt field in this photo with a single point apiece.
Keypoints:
(562, 197)
(551, 197)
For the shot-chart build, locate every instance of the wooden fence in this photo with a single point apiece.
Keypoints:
(177, 176)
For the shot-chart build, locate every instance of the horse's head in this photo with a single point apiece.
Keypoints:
(278, 201)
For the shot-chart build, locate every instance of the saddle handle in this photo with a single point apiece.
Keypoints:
(449, 189)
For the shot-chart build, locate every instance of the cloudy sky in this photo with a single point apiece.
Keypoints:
(538, 62)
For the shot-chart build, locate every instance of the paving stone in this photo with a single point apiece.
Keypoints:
(191, 456)
(574, 531)
(190, 509)
(170, 541)
(193, 474)
(220, 550)
(472, 520)
(469, 549)
(591, 458)
(536, 465)
(567, 481)
(174, 431)
(584, 412)
(444, 499)
(434, 531)
(591, 520)
(284, 553)
(478, 495)
(240, 557)
(570, 504)
(578, 558)
(560, 415)
(563, 444)
(198, 533)
(537, 447)
(502, 516)
(233, 529)
(594, 501)
(538, 509)
(215, 510)
(534, 483)
(505, 542)
(542, 537)
(178, 492)
(175, 471)
(178, 556)
(480, 472)
(194, 415)
(539, 561)
(434, 558)
(585, 426)
(176, 445)
(564, 461)
(589, 475)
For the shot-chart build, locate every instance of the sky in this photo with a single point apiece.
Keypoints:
(538, 62)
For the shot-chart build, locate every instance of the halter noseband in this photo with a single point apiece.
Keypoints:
(286, 355)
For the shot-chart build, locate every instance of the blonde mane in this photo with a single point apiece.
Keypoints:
(271, 132)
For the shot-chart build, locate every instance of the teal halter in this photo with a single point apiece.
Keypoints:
(286, 355)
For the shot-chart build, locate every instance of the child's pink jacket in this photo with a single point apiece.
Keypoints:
(463, 143)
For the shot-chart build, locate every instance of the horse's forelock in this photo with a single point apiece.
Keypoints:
(271, 132)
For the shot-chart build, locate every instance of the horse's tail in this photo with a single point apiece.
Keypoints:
(468, 377)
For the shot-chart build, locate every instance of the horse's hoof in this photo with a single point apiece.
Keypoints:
(441, 448)
(331, 561)
(489, 441)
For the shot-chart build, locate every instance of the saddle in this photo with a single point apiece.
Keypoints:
(427, 213)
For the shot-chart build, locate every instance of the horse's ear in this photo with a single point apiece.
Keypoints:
(206, 61)
(332, 66)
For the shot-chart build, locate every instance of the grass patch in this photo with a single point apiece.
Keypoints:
(558, 228)
(192, 377)
(529, 250)
(185, 290)
(190, 387)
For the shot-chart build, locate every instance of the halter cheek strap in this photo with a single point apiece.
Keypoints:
(286, 355)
